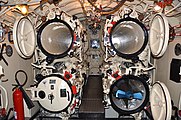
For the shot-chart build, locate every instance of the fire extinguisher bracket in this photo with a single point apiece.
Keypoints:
(19, 86)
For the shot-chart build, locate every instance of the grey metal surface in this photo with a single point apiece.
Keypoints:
(56, 38)
(95, 56)
(92, 106)
(111, 113)
(128, 37)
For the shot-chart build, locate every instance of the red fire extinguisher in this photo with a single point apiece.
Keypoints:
(18, 104)
(18, 95)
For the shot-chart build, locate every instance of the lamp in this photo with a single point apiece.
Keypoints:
(23, 8)
(157, 8)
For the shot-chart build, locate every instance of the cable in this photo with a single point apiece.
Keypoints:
(4, 2)
(169, 11)
(148, 114)
(110, 11)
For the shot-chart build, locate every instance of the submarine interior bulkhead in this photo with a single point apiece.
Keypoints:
(90, 59)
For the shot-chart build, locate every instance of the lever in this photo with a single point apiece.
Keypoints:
(68, 96)
(1, 54)
(42, 66)
(51, 97)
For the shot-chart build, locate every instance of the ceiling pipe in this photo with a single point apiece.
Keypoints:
(110, 11)
(83, 9)
(178, 5)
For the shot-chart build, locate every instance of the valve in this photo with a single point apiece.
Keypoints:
(44, 66)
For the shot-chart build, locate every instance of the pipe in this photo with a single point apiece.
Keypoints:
(2, 11)
(178, 5)
(65, 4)
(18, 3)
(110, 11)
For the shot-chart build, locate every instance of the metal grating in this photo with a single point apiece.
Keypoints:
(92, 98)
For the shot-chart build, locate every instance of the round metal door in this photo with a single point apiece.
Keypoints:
(55, 38)
(160, 102)
(128, 37)
(54, 93)
(129, 94)
(159, 35)
(24, 37)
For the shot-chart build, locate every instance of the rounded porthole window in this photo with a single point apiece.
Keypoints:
(129, 94)
(128, 37)
(55, 38)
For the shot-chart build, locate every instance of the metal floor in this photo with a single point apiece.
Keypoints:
(92, 106)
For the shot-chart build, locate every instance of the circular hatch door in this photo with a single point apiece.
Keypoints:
(55, 38)
(24, 37)
(159, 35)
(160, 102)
(54, 93)
(129, 94)
(128, 37)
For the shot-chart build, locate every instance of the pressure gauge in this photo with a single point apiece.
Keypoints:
(24, 37)
(9, 50)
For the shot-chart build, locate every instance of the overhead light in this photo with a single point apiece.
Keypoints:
(23, 8)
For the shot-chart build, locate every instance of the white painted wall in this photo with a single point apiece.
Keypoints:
(15, 63)
(163, 65)
(163, 70)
